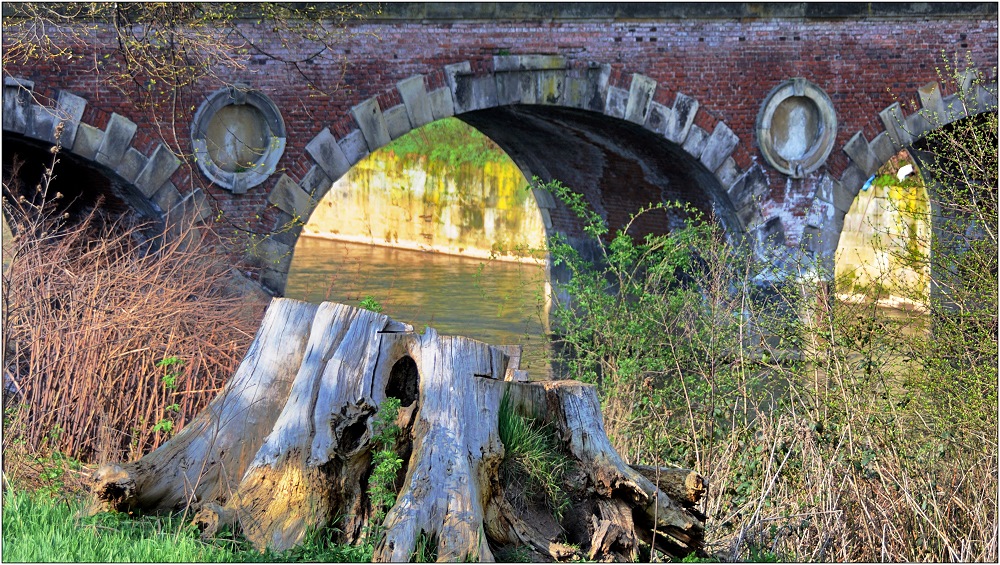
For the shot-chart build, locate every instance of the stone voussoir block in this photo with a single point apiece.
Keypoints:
(354, 146)
(895, 125)
(274, 281)
(161, 165)
(442, 104)
(932, 105)
(117, 138)
(681, 118)
(17, 104)
(719, 146)
(167, 197)
(71, 108)
(288, 228)
(846, 189)
(616, 102)
(316, 183)
(658, 118)
(516, 88)
(370, 120)
(42, 124)
(917, 125)
(397, 121)
(695, 142)
(417, 101)
(728, 172)
(859, 150)
(328, 154)
(88, 139)
(474, 93)
(640, 94)
(883, 149)
(272, 254)
(748, 188)
(131, 165)
(289, 197)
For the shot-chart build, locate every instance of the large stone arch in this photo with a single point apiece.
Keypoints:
(143, 180)
(825, 220)
(514, 80)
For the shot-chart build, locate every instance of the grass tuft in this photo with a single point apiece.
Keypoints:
(533, 463)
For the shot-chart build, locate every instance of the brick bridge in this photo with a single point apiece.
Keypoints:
(771, 116)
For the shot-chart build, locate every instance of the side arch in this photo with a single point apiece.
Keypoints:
(145, 179)
(539, 80)
(825, 219)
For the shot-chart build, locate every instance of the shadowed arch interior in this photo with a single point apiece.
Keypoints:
(82, 185)
(617, 165)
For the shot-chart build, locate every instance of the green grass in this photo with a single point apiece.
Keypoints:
(532, 459)
(40, 528)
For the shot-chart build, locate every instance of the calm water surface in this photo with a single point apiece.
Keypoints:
(497, 302)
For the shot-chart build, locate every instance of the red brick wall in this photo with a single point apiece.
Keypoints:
(729, 66)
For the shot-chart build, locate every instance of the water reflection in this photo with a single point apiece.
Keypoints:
(497, 302)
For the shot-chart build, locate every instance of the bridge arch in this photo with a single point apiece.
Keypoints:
(142, 180)
(825, 219)
(541, 88)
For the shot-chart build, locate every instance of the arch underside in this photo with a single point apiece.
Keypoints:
(83, 185)
(105, 157)
(618, 166)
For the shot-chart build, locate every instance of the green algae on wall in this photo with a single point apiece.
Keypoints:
(885, 243)
(447, 189)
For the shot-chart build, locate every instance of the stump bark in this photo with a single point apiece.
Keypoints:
(286, 447)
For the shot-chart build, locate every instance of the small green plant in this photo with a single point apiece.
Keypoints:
(533, 463)
(171, 367)
(164, 425)
(385, 466)
(425, 550)
(369, 303)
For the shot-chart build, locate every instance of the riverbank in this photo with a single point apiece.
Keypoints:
(529, 257)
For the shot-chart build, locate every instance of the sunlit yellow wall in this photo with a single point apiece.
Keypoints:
(885, 244)
(407, 201)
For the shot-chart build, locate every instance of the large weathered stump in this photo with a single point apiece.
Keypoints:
(287, 447)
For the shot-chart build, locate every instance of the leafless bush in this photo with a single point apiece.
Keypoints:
(112, 341)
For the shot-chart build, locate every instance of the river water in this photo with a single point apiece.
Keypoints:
(501, 303)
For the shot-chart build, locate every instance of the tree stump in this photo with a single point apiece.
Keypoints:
(287, 447)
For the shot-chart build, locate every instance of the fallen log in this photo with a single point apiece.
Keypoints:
(287, 447)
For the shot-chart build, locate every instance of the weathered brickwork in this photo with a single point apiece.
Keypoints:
(727, 65)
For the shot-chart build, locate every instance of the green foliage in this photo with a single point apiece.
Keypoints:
(319, 547)
(385, 466)
(369, 303)
(655, 321)
(815, 420)
(532, 461)
(449, 144)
